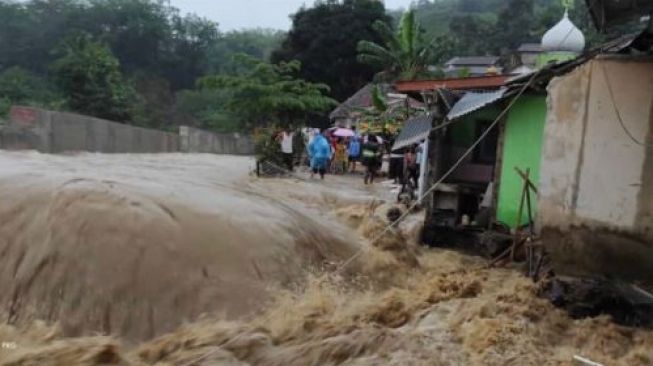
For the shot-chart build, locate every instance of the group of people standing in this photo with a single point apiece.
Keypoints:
(339, 155)
(328, 153)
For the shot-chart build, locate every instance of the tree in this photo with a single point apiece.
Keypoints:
(207, 109)
(472, 35)
(89, 77)
(259, 43)
(515, 25)
(19, 86)
(324, 39)
(264, 93)
(403, 55)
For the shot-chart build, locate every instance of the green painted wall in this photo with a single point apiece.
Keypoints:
(522, 147)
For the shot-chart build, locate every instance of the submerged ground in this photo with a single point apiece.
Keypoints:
(188, 260)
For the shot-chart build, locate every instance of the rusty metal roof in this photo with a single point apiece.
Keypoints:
(479, 82)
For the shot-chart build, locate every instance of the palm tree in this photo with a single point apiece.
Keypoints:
(404, 55)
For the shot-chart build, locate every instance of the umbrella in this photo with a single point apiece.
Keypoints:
(343, 132)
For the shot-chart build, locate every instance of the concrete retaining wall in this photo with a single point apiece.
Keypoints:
(57, 132)
(194, 140)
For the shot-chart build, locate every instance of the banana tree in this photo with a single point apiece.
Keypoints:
(403, 54)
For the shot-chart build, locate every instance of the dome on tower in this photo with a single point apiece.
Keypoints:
(564, 36)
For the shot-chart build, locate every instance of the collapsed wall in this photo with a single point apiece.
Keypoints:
(596, 189)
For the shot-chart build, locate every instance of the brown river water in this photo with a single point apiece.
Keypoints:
(189, 260)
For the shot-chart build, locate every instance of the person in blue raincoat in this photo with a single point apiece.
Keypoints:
(320, 152)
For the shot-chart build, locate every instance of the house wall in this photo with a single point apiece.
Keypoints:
(522, 148)
(596, 190)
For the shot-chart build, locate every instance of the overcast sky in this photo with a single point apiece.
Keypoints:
(237, 14)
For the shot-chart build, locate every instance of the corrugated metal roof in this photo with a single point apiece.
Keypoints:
(474, 101)
(414, 131)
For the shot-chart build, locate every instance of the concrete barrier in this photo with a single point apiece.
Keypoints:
(194, 140)
(57, 132)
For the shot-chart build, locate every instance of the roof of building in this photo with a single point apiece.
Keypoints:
(363, 99)
(414, 131)
(473, 61)
(530, 48)
(607, 13)
(479, 82)
(473, 101)
(449, 97)
(564, 36)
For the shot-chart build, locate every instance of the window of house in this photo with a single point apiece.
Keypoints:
(486, 151)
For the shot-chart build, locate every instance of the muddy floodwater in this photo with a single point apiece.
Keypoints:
(177, 259)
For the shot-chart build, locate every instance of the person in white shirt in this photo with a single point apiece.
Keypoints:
(286, 138)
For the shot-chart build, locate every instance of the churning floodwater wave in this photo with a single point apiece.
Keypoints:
(99, 254)
(134, 245)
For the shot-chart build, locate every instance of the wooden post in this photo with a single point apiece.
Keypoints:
(520, 213)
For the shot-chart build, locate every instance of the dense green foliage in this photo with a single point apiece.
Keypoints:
(324, 39)
(89, 76)
(264, 94)
(151, 56)
(18, 85)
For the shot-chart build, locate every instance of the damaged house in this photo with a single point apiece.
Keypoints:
(578, 133)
